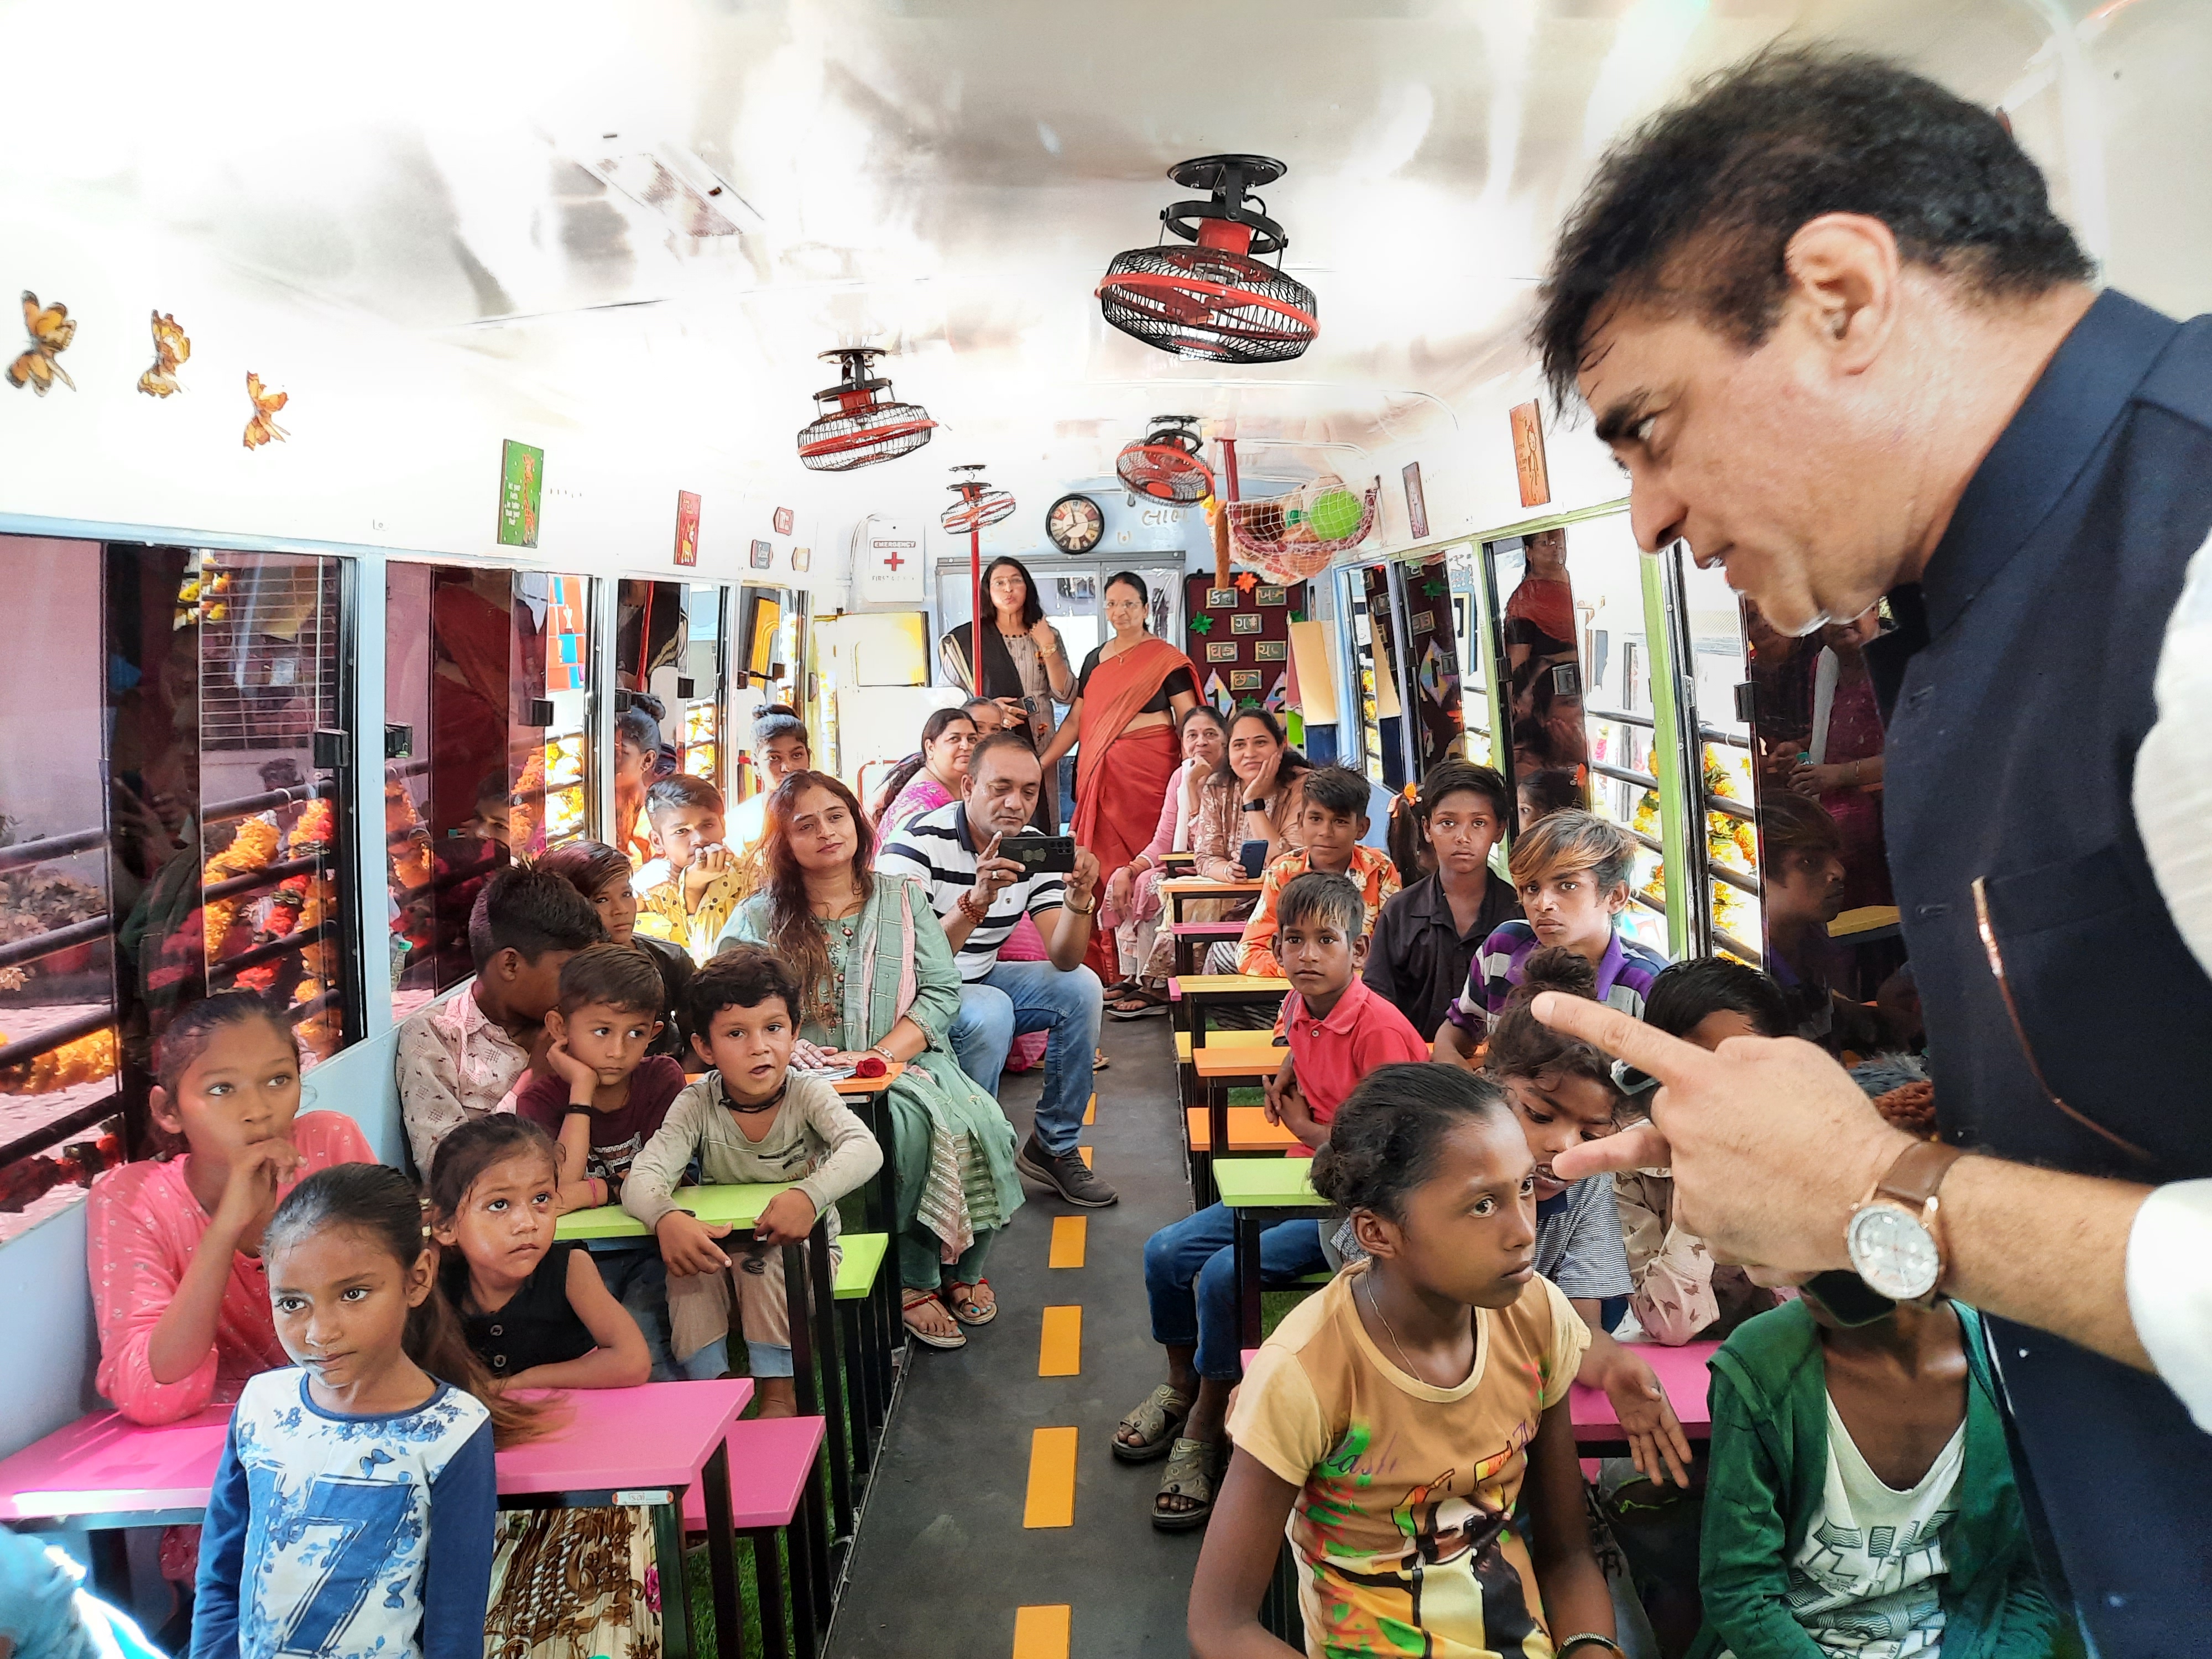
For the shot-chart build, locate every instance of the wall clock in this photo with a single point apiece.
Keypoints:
(1075, 524)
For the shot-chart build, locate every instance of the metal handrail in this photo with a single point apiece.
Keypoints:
(296, 940)
(1735, 809)
(28, 1049)
(49, 1136)
(1730, 942)
(17, 952)
(1722, 872)
(1641, 780)
(268, 876)
(24, 854)
(1621, 715)
(1714, 734)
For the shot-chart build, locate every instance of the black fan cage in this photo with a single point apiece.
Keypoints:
(880, 432)
(1210, 303)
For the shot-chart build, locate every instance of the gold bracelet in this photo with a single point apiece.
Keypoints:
(1092, 911)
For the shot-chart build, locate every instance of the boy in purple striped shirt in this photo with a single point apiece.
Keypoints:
(1571, 869)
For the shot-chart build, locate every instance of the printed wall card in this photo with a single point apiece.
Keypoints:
(1245, 622)
(1271, 650)
(1221, 598)
(1244, 679)
(1221, 650)
(687, 527)
(522, 480)
(763, 556)
(802, 558)
(1272, 595)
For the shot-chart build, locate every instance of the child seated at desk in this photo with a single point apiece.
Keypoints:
(1678, 1291)
(1571, 869)
(172, 1246)
(537, 1316)
(606, 1097)
(1399, 1420)
(1339, 1031)
(461, 1059)
(748, 1120)
(686, 894)
(1332, 821)
(1861, 1500)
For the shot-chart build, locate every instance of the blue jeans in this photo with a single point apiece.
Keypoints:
(635, 1276)
(1190, 1279)
(1034, 996)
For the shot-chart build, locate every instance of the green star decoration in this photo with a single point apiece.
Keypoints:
(1201, 624)
(1435, 589)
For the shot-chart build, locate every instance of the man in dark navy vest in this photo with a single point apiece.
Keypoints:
(1832, 329)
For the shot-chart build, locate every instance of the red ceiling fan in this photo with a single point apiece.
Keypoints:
(979, 505)
(1165, 464)
(1217, 300)
(861, 422)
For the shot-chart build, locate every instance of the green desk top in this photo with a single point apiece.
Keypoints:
(736, 1206)
(1267, 1183)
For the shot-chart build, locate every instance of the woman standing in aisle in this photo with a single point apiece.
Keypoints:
(1025, 668)
(878, 980)
(1131, 692)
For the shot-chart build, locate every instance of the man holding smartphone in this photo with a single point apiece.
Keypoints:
(958, 853)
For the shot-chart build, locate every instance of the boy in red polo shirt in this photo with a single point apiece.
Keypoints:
(1339, 1030)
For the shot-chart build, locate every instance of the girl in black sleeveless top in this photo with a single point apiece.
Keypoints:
(535, 1311)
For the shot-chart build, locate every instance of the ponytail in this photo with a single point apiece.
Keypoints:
(380, 1203)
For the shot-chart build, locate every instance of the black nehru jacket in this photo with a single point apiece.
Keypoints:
(2070, 1023)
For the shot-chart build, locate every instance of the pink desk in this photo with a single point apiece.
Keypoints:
(643, 1447)
(1681, 1371)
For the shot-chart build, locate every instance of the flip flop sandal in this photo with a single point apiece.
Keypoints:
(1139, 1003)
(1099, 1060)
(1155, 1422)
(966, 1309)
(910, 1300)
(1193, 1471)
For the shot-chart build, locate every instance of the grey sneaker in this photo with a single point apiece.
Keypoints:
(1067, 1174)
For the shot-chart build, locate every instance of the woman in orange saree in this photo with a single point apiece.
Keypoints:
(1132, 690)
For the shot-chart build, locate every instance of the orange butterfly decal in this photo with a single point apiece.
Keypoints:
(261, 429)
(52, 330)
(171, 348)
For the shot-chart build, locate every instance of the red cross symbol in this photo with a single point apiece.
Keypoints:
(893, 560)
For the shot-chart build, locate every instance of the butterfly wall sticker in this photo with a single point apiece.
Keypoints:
(172, 349)
(263, 426)
(52, 330)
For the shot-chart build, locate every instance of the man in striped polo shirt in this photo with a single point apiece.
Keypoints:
(980, 898)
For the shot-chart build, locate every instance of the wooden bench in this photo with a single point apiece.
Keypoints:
(772, 1478)
(1194, 995)
(1180, 890)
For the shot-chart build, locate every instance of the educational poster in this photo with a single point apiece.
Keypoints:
(1528, 462)
(687, 527)
(521, 482)
(1417, 503)
(1245, 628)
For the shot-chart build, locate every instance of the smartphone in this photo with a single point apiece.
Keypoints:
(1039, 855)
(1848, 1297)
(1253, 855)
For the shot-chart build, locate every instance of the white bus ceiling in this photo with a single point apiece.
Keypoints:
(387, 212)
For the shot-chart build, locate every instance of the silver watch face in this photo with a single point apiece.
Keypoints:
(1892, 1252)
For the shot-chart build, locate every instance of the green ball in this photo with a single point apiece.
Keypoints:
(1336, 514)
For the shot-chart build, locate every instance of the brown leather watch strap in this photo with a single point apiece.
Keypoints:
(1918, 1171)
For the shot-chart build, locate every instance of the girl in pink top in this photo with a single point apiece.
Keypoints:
(177, 1284)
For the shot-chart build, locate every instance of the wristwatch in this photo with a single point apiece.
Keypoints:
(1256, 807)
(1893, 1236)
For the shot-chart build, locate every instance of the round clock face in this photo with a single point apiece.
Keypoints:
(1075, 524)
(1892, 1252)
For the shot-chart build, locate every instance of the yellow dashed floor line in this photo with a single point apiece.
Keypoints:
(1070, 1233)
(1085, 1151)
(1051, 1479)
(1041, 1632)
(1091, 1111)
(1060, 1349)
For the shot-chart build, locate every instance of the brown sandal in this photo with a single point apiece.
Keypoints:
(966, 1309)
(909, 1300)
(1193, 1472)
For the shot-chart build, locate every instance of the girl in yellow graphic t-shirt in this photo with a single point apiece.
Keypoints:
(1397, 1419)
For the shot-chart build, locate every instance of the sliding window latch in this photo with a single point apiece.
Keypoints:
(332, 749)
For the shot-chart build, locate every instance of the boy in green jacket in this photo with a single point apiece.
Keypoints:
(1860, 1500)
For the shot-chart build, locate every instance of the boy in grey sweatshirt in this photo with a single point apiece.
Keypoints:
(747, 1121)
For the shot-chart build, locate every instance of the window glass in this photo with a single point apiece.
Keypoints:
(59, 1106)
(1726, 782)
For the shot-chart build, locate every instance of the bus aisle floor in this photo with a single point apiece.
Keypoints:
(945, 1564)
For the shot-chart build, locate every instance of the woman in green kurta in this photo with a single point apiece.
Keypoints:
(880, 980)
